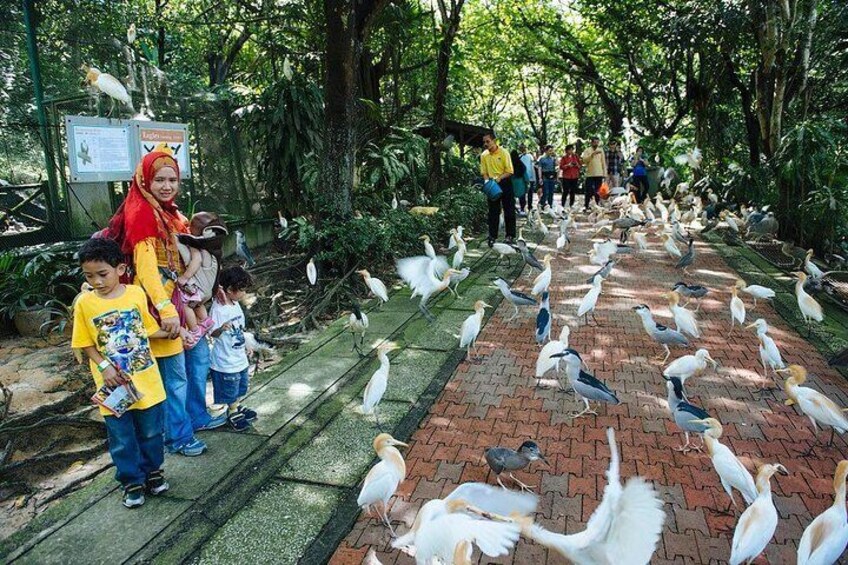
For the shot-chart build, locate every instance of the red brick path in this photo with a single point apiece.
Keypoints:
(494, 402)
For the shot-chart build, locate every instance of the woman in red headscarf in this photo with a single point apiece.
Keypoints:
(146, 225)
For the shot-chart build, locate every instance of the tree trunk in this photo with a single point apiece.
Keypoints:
(160, 35)
(746, 101)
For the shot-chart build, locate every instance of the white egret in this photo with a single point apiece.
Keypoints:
(375, 285)
(810, 308)
(820, 409)
(685, 319)
(381, 482)
(756, 291)
(670, 246)
(428, 247)
(737, 308)
(471, 326)
(689, 365)
(418, 273)
(376, 387)
(757, 524)
(590, 300)
(544, 363)
(731, 472)
(109, 85)
(769, 353)
(811, 268)
(543, 280)
(311, 272)
(826, 537)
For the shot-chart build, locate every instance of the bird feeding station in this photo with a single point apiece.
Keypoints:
(104, 150)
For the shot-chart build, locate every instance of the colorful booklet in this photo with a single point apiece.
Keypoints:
(117, 400)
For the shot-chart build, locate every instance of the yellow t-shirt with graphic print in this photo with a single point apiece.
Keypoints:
(118, 328)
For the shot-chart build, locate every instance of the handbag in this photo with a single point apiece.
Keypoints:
(519, 187)
(492, 189)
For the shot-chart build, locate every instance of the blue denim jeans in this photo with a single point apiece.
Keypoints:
(135, 444)
(548, 187)
(229, 387)
(197, 370)
(178, 430)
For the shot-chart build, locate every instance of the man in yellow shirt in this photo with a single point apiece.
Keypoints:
(596, 170)
(496, 164)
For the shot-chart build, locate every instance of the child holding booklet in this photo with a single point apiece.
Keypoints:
(113, 326)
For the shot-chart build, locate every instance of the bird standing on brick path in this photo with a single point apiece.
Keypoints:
(545, 362)
(689, 365)
(375, 285)
(670, 246)
(737, 308)
(684, 414)
(683, 318)
(543, 279)
(603, 271)
(641, 240)
(543, 319)
(769, 353)
(526, 254)
(820, 409)
(381, 482)
(757, 524)
(376, 387)
(586, 386)
(514, 297)
(690, 291)
(810, 309)
(756, 291)
(624, 529)
(590, 300)
(661, 334)
(731, 472)
(504, 459)
(481, 496)
(358, 324)
(471, 326)
(687, 258)
(826, 537)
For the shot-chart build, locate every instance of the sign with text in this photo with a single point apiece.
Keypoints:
(103, 149)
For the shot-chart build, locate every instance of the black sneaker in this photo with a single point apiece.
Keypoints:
(491, 242)
(238, 422)
(133, 496)
(249, 415)
(156, 483)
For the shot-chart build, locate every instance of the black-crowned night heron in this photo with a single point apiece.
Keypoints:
(514, 297)
(688, 417)
(504, 459)
(543, 319)
(603, 271)
(688, 258)
(527, 255)
(690, 291)
(661, 334)
(586, 386)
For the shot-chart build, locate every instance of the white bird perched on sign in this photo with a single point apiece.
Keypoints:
(737, 308)
(418, 272)
(810, 309)
(471, 326)
(624, 529)
(543, 280)
(375, 285)
(826, 537)
(769, 353)
(689, 365)
(757, 524)
(670, 246)
(381, 482)
(312, 271)
(756, 291)
(590, 300)
(357, 324)
(731, 472)
(483, 497)
(685, 319)
(545, 363)
(109, 85)
(820, 409)
(376, 387)
(811, 268)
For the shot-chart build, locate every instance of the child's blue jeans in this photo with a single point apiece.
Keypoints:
(229, 387)
(135, 443)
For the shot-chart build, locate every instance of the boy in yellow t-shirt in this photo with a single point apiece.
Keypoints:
(113, 326)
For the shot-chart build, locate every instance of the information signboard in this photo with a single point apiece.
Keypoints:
(175, 136)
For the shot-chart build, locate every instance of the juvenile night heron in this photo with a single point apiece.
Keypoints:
(690, 291)
(688, 417)
(661, 334)
(504, 459)
(514, 297)
(586, 386)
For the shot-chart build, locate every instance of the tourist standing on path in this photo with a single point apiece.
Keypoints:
(519, 184)
(640, 173)
(146, 226)
(569, 166)
(548, 166)
(529, 180)
(596, 169)
(496, 164)
(615, 163)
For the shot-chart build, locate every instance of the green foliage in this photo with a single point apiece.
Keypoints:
(41, 281)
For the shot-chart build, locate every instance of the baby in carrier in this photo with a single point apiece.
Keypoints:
(200, 252)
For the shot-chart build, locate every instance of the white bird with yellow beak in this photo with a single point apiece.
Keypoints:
(471, 326)
(109, 85)
(590, 300)
(756, 291)
(812, 269)
(737, 308)
(623, 530)
(375, 285)
(810, 309)
(685, 319)
(670, 246)
(769, 353)
(820, 409)
(731, 472)
(826, 538)
(544, 363)
(484, 498)
(420, 274)
(381, 482)
(376, 387)
(543, 280)
(689, 365)
(757, 524)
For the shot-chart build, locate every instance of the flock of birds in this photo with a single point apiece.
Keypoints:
(626, 526)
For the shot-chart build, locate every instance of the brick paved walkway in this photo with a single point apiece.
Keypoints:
(493, 401)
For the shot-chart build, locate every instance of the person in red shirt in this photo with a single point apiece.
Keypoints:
(569, 165)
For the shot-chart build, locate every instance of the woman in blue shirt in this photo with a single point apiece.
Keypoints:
(640, 173)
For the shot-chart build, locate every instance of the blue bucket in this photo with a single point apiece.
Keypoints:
(492, 190)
